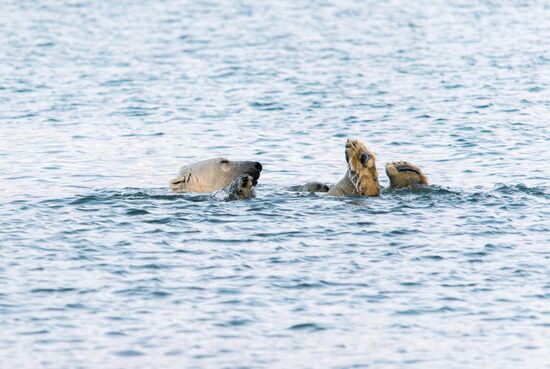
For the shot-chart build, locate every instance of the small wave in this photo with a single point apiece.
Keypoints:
(32, 333)
(91, 199)
(521, 189)
(117, 82)
(458, 196)
(267, 106)
(156, 134)
(143, 292)
(136, 212)
(307, 327)
(165, 220)
(235, 323)
(440, 310)
(129, 353)
(431, 189)
(128, 193)
(53, 290)
(301, 286)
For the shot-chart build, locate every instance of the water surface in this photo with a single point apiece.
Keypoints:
(102, 266)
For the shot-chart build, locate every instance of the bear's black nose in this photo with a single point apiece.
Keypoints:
(258, 166)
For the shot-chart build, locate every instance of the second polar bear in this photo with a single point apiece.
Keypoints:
(361, 176)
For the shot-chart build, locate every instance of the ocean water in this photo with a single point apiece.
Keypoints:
(101, 266)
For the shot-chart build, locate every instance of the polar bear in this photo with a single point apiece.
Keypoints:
(241, 188)
(214, 174)
(403, 174)
(361, 177)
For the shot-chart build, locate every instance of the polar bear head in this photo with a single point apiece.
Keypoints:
(213, 174)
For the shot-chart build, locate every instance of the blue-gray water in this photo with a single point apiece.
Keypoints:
(102, 267)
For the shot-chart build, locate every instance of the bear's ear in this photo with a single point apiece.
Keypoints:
(225, 167)
(179, 182)
(183, 169)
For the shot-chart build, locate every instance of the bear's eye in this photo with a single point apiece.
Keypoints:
(224, 161)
